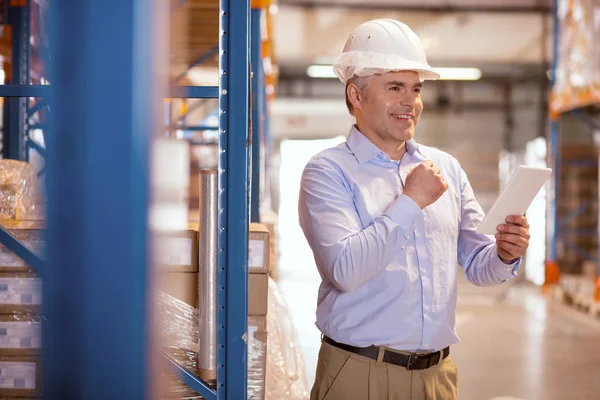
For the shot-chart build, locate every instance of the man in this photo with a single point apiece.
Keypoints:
(387, 220)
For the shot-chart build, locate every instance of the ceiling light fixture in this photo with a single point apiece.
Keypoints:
(459, 73)
(320, 71)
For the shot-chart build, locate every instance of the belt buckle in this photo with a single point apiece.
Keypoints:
(410, 361)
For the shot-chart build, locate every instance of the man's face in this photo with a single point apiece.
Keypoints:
(391, 105)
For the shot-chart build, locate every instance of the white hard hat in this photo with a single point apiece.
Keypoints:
(380, 46)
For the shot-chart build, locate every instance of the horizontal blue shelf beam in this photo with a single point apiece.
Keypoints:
(194, 128)
(587, 119)
(38, 126)
(199, 142)
(579, 232)
(195, 383)
(183, 92)
(591, 163)
(576, 213)
(582, 253)
(194, 92)
(20, 250)
(24, 90)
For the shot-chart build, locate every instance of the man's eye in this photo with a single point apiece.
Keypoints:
(396, 88)
(417, 90)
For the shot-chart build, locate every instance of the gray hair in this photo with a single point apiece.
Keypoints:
(361, 82)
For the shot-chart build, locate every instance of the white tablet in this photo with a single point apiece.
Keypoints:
(521, 189)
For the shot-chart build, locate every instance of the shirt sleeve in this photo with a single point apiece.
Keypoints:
(478, 254)
(348, 255)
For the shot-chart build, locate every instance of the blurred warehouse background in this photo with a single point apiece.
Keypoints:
(164, 121)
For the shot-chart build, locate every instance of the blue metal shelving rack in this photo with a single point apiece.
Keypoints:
(261, 138)
(554, 150)
(556, 224)
(258, 112)
(97, 340)
(15, 108)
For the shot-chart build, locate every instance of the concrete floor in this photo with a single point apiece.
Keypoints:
(514, 345)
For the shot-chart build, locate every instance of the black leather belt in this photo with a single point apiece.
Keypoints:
(413, 361)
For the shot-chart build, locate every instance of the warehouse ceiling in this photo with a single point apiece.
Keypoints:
(504, 38)
(435, 5)
(454, 33)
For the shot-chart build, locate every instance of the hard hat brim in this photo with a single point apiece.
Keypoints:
(362, 64)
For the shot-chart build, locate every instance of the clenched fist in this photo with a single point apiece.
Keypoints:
(424, 184)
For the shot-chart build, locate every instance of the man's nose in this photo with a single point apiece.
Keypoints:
(408, 100)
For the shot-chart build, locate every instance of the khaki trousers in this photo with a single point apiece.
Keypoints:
(342, 375)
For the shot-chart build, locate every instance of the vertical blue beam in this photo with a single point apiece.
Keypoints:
(554, 148)
(266, 141)
(14, 128)
(257, 114)
(232, 274)
(553, 222)
(96, 344)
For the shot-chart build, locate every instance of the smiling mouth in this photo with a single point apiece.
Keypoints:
(406, 117)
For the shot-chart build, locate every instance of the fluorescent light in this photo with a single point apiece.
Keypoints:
(320, 71)
(447, 73)
(459, 74)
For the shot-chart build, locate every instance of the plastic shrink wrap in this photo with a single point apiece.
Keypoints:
(284, 369)
(20, 196)
(577, 81)
(179, 338)
(286, 379)
(20, 355)
(32, 238)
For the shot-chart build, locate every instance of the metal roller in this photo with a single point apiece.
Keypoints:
(207, 328)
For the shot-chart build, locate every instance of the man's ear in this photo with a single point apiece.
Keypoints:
(354, 95)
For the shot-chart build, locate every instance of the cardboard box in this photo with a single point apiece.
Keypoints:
(257, 356)
(181, 285)
(258, 294)
(20, 292)
(177, 251)
(259, 248)
(273, 253)
(20, 335)
(185, 287)
(21, 377)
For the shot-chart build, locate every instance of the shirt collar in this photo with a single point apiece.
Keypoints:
(364, 150)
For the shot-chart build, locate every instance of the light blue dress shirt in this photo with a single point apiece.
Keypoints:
(389, 268)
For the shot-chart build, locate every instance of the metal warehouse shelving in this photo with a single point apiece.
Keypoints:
(573, 102)
(95, 276)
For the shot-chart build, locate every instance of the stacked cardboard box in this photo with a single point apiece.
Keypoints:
(273, 253)
(259, 263)
(20, 321)
(577, 203)
(176, 255)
